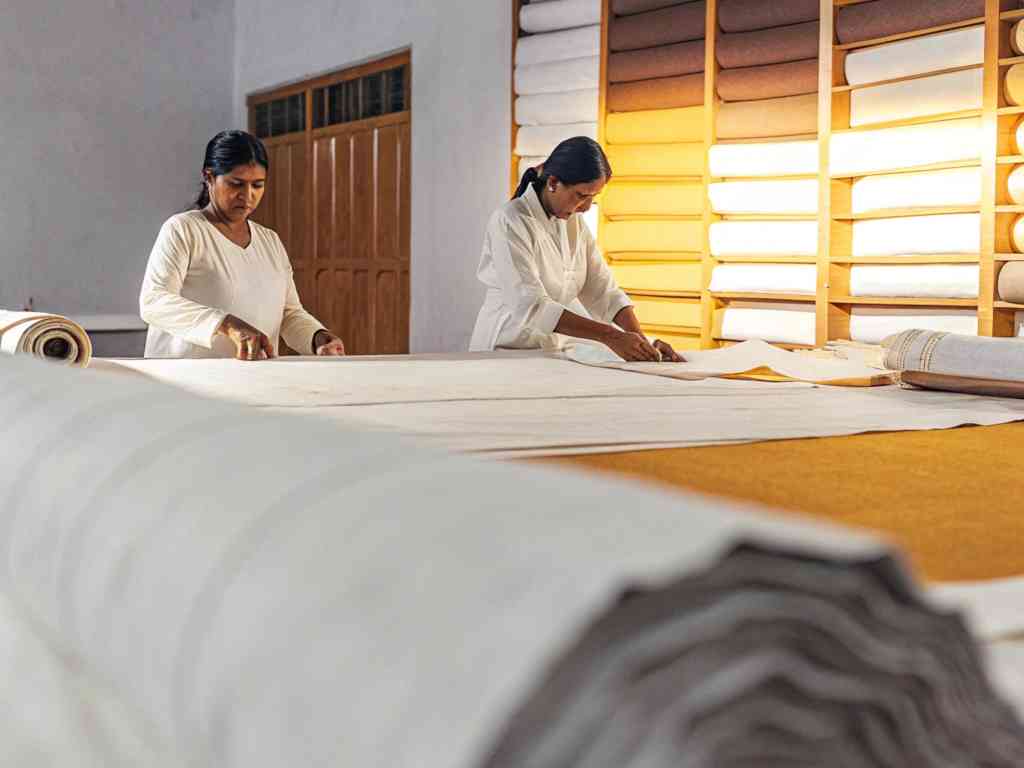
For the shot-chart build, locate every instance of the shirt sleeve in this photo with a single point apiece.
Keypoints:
(519, 279)
(161, 304)
(600, 294)
(298, 327)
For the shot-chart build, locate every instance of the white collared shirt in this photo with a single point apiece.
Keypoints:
(534, 267)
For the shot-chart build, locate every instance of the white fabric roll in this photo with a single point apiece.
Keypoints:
(948, 233)
(558, 76)
(782, 324)
(1017, 38)
(1013, 84)
(1017, 234)
(906, 58)
(765, 159)
(931, 281)
(557, 108)
(765, 278)
(1018, 136)
(956, 186)
(558, 46)
(771, 238)
(939, 94)
(908, 146)
(1015, 185)
(789, 196)
(870, 325)
(559, 14)
(542, 139)
(530, 162)
(49, 337)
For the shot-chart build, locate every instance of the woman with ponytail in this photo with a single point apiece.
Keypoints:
(220, 285)
(539, 257)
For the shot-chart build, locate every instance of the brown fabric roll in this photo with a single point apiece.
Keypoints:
(663, 61)
(647, 30)
(769, 82)
(768, 46)
(662, 93)
(1011, 282)
(629, 7)
(788, 116)
(882, 18)
(750, 15)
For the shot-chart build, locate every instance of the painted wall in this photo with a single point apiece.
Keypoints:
(460, 91)
(105, 109)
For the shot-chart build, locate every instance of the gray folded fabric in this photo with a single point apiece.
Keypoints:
(748, 15)
(768, 46)
(956, 355)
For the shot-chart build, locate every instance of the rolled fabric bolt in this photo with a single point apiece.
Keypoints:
(1013, 85)
(1011, 282)
(1018, 136)
(1017, 235)
(1017, 38)
(1015, 185)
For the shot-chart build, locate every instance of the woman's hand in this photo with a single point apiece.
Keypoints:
(668, 355)
(632, 347)
(326, 344)
(250, 343)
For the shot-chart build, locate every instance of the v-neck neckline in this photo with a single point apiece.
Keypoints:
(228, 239)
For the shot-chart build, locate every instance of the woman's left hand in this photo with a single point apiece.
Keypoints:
(668, 355)
(328, 345)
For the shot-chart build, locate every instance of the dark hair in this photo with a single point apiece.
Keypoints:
(579, 160)
(227, 150)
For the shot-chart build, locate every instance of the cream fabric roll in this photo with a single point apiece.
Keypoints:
(1013, 84)
(558, 46)
(559, 14)
(1015, 185)
(785, 116)
(682, 159)
(661, 198)
(530, 162)
(658, 276)
(764, 238)
(779, 323)
(870, 325)
(558, 76)
(939, 94)
(1018, 136)
(1017, 234)
(655, 126)
(956, 186)
(557, 108)
(542, 139)
(908, 146)
(764, 159)
(49, 337)
(1017, 38)
(948, 233)
(906, 58)
(654, 236)
(931, 281)
(765, 278)
(790, 196)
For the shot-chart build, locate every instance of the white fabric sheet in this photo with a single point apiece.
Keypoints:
(557, 108)
(558, 46)
(889, 149)
(781, 323)
(54, 338)
(947, 233)
(789, 196)
(542, 139)
(772, 238)
(917, 56)
(777, 158)
(935, 95)
(559, 14)
(558, 76)
(954, 186)
(765, 278)
(870, 325)
(934, 281)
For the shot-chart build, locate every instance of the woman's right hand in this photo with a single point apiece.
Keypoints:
(633, 347)
(250, 343)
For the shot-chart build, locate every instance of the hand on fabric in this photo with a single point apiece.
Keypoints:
(633, 347)
(328, 345)
(668, 355)
(250, 343)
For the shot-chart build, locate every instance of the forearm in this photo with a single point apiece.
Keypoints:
(571, 324)
(626, 320)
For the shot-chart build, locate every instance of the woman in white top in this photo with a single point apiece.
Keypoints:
(220, 285)
(539, 257)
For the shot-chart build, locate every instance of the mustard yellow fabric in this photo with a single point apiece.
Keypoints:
(654, 310)
(658, 276)
(655, 126)
(624, 198)
(656, 159)
(648, 235)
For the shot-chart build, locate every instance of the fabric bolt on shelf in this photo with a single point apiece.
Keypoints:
(652, 199)
(683, 159)
(768, 46)
(1011, 282)
(565, 44)
(1015, 185)
(945, 233)
(660, 93)
(909, 146)
(953, 186)
(765, 278)
(768, 197)
(657, 235)
(54, 338)
(630, 7)
(1018, 136)
(764, 159)
(674, 24)
(1013, 85)
(658, 276)
(786, 116)
(1017, 38)
(751, 15)
(680, 313)
(881, 18)
(558, 76)
(933, 281)
(779, 323)
(663, 61)
(870, 325)
(916, 56)
(764, 238)
(935, 95)
(770, 81)
(542, 139)
(656, 126)
(1017, 234)
(558, 108)
(554, 15)
(957, 355)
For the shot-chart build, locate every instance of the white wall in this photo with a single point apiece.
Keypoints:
(460, 92)
(105, 109)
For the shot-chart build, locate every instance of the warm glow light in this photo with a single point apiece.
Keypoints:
(655, 126)
(653, 199)
(656, 159)
(791, 196)
(889, 149)
(956, 186)
(777, 158)
(765, 278)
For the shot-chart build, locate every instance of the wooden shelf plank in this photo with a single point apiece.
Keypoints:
(1008, 305)
(769, 216)
(657, 179)
(805, 298)
(1010, 61)
(1011, 15)
(654, 217)
(1010, 159)
(916, 258)
(907, 78)
(1009, 257)
(913, 169)
(924, 119)
(776, 177)
(758, 258)
(1011, 110)
(681, 330)
(1010, 209)
(662, 294)
(781, 345)
(898, 213)
(916, 33)
(896, 301)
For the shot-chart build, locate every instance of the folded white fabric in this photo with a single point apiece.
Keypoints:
(946, 233)
(51, 337)
(764, 278)
(559, 14)
(779, 323)
(889, 149)
(789, 196)
(542, 139)
(917, 56)
(932, 281)
(557, 108)
(935, 95)
(954, 186)
(558, 46)
(765, 159)
(558, 76)
(870, 325)
(955, 355)
(768, 238)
